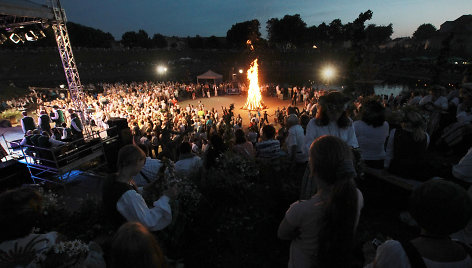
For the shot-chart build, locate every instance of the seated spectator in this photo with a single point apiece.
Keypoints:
(134, 246)
(322, 228)
(242, 146)
(189, 165)
(123, 203)
(268, 147)
(440, 208)
(372, 132)
(406, 147)
(148, 173)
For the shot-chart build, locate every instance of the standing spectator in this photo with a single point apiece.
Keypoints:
(189, 165)
(149, 171)
(44, 122)
(295, 140)
(27, 122)
(76, 127)
(331, 119)
(58, 117)
(406, 147)
(322, 228)
(123, 203)
(372, 132)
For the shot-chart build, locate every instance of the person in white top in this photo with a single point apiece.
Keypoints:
(372, 132)
(122, 201)
(435, 100)
(295, 140)
(189, 165)
(440, 208)
(331, 119)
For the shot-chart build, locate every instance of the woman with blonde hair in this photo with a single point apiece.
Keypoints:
(407, 145)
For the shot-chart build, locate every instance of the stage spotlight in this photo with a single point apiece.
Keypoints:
(15, 38)
(240, 71)
(3, 38)
(41, 34)
(31, 36)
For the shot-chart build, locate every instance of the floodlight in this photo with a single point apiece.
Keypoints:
(328, 72)
(161, 69)
(31, 36)
(240, 71)
(41, 34)
(15, 38)
(3, 38)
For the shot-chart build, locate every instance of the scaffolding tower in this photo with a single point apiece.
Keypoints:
(67, 58)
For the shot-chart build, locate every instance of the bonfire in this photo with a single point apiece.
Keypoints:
(254, 96)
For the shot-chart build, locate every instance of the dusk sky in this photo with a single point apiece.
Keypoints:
(215, 17)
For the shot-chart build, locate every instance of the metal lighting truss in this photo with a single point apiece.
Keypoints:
(67, 58)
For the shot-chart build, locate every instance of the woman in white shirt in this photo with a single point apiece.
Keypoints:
(372, 132)
(123, 202)
(331, 119)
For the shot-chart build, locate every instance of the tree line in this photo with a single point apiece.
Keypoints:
(287, 32)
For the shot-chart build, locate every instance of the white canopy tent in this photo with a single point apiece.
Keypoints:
(210, 75)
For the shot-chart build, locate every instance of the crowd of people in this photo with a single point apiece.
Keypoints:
(324, 141)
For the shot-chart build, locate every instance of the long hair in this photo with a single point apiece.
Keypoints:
(134, 246)
(414, 122)
(333, 98)
(331, 161)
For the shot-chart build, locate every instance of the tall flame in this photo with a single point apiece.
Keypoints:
(254, 97)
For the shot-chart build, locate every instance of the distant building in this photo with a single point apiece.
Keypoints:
(460, 30)
(401, 42)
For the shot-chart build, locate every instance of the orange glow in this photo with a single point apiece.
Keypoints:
(254, 97)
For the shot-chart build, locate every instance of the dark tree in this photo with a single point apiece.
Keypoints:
(335, 31)
(83, 36)
(424, 32)
(195, 42)
(239, 33)
(288, 30)
(377, 34)
(159, 41)
(136, 39)
(212, 42)
(355, 31)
